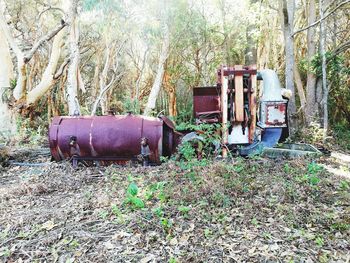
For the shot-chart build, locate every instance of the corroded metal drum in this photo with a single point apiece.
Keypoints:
(114, 138)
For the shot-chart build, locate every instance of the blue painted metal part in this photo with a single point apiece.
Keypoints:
(269, 139)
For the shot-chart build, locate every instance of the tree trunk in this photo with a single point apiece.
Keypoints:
(324, 72)
(172, 102)
(21, 79)
(7, 122)
(170, 88)
(319, 94)
(103, 81)
(300, 88)
(226, 34)
(95, 81)
(62, 92)
(287, 26)
(151, 103)
(251, 50)
(48, 77)
(73, 77)
(311, 106)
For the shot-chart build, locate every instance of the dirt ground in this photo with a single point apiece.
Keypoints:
(242, 210)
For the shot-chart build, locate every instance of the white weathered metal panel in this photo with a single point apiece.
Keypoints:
(237, 137)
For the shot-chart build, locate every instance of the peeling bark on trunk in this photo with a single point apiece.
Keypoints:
(95, 82)
(139, 78)
(319, 94)
(102, 79)
(172, 102)
(324, 72)
(73, 77)
(151, 103)
(21, 79)
(311, 106)
(102, 99)
(62, 85)
(48, 77)
(20, 91)
(287, 9)
(170, 88)
(300, 89)
(7, 122)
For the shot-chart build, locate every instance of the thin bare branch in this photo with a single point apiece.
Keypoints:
(61, 69)
(49, 8)
(323, 18)
(42, 40)
(102, 92)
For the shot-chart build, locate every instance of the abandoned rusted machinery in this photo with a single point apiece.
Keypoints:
(112, 138)
(248, 124)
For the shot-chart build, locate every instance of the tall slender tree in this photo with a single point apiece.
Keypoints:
(74, 77)
(157, 84)
(324, 69)
(287, 9)
(311, 106)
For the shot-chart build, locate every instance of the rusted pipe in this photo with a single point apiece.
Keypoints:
(224, 109)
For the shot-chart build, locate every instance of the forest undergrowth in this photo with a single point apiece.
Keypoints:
(252, 210)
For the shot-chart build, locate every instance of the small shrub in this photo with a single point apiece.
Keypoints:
(319, 241)
(344, 185)
(131, 197)
(166, 224)
(159, 212)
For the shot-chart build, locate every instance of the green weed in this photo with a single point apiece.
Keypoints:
(166, 224)
(159, 212)
(207, 233)
(344, 185)
(255, 222)
(319, 241)
(104, 214)
(131, 197)
(184, 210)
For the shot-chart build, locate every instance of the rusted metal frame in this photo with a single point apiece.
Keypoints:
(239, 96)
(252, 103)
(206, 91)
(245, 90)
(207, 112)
(212, 120)
(231, 94)
(206, 99)
(239, 72)
(53, 131)
(107, 158)
(236, 72)
(209, 116)
(224, 109)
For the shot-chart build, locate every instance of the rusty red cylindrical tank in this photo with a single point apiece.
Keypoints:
(111, 138)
